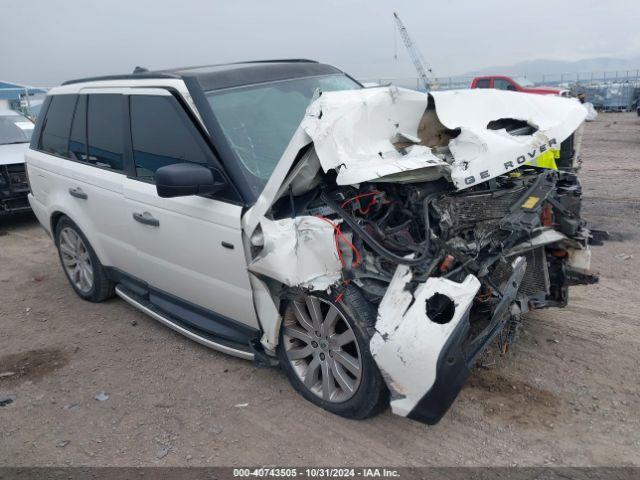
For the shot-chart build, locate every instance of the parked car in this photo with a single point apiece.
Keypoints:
(15, 135)
(502, 82)
(372, 242)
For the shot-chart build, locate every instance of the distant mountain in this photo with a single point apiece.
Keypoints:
(534, 69)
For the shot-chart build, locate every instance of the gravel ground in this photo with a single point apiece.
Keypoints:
(567, 394)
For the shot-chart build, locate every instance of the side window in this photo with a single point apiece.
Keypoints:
(502, 84)
(161, 134)
(78, 138)
(482, 83)
(55, 134)
(105, 116)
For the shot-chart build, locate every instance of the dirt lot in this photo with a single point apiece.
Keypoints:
(568, 394)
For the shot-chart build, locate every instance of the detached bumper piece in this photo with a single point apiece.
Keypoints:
(418, 344)
(458, 355)
(14, 189)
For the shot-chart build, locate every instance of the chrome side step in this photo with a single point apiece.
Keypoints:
(183, 331)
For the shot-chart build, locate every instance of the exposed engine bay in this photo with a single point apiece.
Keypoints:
(450, 264)
(443, 233)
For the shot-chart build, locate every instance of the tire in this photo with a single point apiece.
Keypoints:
(99, 288)
(368, 394)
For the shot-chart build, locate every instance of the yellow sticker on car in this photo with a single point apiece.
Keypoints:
(530, 202)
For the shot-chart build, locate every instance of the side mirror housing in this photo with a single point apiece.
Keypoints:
(184, 179)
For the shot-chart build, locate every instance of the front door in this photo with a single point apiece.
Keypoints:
(189, 248)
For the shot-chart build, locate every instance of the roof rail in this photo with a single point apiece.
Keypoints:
(128, 76)
(141, 72)
(283, 60)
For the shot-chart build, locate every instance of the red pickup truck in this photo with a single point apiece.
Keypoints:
(502, 82)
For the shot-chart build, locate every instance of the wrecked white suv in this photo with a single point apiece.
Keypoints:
(373, 242)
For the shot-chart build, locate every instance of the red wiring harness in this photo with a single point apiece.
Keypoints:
(338, 235)
(357, 256)
(373, 202)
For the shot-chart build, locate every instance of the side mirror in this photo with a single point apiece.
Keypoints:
(184, 179)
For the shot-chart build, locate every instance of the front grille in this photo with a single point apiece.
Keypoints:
(17, 178)
(14, 204)
(13, 179)
(536, 275)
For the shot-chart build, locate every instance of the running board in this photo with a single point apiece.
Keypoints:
(247, 355)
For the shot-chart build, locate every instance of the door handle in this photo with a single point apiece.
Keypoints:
(146, 218)
(78, 193)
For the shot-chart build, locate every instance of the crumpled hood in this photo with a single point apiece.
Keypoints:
(13, 153)
(357, 132)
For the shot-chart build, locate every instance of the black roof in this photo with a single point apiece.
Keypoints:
(214, 77)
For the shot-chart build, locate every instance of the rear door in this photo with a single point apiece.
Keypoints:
(190, 249)
(78, 170)
(100, 173)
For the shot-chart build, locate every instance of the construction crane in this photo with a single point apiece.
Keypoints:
(428, 79)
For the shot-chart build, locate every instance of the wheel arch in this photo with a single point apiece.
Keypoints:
(54, 220)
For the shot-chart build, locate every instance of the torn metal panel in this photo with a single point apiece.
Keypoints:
(267, 309)
(480, 153)
(407, 343)
(545, 237)
(303, 177)
(353, 132)
(364, 134)
(252, 217)
(299, 252)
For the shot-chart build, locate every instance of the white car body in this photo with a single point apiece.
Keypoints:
(204, 251)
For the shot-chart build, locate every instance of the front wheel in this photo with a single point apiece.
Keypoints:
(324, 350)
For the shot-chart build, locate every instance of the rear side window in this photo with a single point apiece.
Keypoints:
(483, 83)
(55, 133)
(162, 134)
(105, 117)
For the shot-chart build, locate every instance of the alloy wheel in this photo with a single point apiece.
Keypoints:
(322, 349)
(76, 259)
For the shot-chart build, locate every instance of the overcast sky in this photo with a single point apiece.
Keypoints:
(44, 42)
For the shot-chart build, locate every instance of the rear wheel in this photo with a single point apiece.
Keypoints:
(324, 349)
(80, 263)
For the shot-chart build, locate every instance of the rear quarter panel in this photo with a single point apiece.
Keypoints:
(51, 178)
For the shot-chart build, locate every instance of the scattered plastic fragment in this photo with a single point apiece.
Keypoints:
(101, 397)
(163, 452)
(6, 400)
